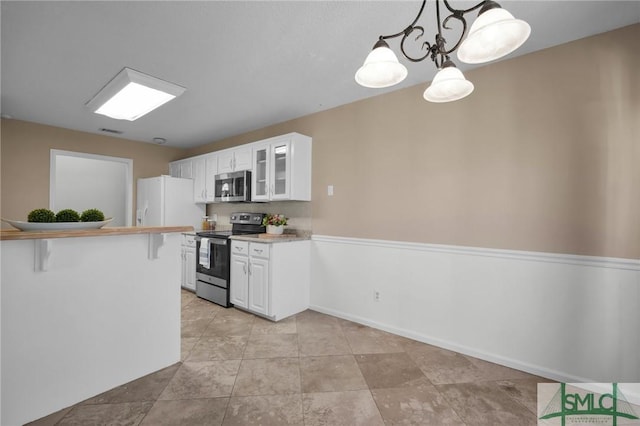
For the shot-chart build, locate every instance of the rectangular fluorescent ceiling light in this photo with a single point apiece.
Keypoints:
(132, 94)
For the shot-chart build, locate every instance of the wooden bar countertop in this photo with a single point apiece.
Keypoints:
(15, 234)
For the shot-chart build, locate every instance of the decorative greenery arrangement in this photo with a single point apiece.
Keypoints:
(274, 220)
(92, 215)
(41, 216)
(66, 215)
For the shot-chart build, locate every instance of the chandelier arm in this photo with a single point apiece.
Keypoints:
(409, 28)
(426, 43)
(462, 33)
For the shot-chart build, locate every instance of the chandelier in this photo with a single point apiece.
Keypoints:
(494, 34)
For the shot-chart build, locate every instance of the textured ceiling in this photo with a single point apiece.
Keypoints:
(245, 65)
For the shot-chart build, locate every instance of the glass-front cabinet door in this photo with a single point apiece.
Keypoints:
(260, 184)
(280, 155)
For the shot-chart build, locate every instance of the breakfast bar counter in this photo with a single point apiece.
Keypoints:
(84, 311)
(14, 234)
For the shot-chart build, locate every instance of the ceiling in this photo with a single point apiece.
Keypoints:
(245, 64)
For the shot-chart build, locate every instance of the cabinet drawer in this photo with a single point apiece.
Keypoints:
(240, 247)
(189, 240)
(259, 250)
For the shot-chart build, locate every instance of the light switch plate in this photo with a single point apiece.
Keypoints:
(330, 190)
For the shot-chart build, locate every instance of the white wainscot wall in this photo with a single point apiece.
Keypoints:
(564, 317)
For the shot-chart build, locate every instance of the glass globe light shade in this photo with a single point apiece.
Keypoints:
(381, 68)
(494, 34)
(448, 85)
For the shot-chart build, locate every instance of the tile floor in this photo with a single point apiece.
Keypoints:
(310, 369)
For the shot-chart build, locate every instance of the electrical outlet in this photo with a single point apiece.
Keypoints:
(376, 295)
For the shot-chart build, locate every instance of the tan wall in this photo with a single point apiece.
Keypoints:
(543, 156)
(25, 150)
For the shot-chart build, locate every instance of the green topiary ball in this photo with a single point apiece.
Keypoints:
(42, 216)
(67, 215)
(92, 215)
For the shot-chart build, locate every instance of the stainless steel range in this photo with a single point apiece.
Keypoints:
(213, 249)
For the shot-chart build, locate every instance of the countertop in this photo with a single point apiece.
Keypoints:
(270, 238)
(15, 234)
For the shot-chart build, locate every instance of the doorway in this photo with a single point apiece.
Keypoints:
(82, 181)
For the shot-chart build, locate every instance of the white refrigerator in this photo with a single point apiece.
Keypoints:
(167, 201)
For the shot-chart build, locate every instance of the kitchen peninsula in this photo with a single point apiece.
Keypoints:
(84, 311)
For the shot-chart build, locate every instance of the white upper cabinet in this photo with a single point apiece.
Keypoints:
(234, 159)
(199, 179)
(211, 170)
(282, 168)
(205, 168)
(181, 168)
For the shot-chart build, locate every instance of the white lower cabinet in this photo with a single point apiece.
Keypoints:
(188, 254)
(239, 280)
(270, 279)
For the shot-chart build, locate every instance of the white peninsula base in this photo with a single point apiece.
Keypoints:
(104, 311)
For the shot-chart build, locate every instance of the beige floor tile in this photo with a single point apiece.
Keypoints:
(415, 405)
(187, 412)
(269, 376)
(350, 408)
(484, 403)
(323, 343)
(229, 325)
(390, 370)
(147, 388)
(236, 314)
(442, 366)
(492, 371)
(285, 326)
(371, 341)
(331, 373)
(272, 346)
(218, 348)
(266, 410)
(207, 379)
(124, 414)
(194, 328)
(186, 297)
(186, 345)
(315, 322)
(195, 311)
(525, 391)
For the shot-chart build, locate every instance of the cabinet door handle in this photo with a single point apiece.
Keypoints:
(258, 250)
(244, 267)
(239, 248)
(249, 269)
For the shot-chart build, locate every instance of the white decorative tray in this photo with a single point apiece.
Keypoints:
(56, 226)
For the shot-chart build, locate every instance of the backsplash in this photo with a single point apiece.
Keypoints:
(298, 213)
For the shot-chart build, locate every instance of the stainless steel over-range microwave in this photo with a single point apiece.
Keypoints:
(234, 187)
